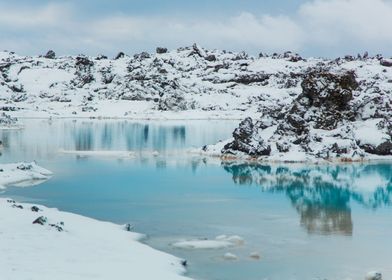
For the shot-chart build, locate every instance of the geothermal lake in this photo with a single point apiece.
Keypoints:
(306, 222)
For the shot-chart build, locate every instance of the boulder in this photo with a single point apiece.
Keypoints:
(246, 140)
(161, 50)
(50, 55)
(119, 55)
(386, 62)
(328, 89)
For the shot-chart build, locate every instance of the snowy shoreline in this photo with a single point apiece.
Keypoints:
(77, 247)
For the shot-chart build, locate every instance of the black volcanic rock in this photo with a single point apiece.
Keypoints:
(50, 55)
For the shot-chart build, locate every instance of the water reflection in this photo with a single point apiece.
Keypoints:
(322, 194)
(43, 139)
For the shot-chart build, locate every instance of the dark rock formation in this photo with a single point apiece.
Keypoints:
(161, 50)
(119, 55)
(40, 220)
(50, 55)
(247, 140)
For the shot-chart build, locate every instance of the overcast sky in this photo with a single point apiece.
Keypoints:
(311, 27)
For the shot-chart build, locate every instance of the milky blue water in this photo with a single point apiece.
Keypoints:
(307, 222)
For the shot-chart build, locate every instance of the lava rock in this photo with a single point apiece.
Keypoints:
(161, 50)
(210, 57)
(384, 149)
(119, 55)
(386, 62)
(328, 89)
(41, 220)
(24, 166)
(246, 140)
(50, 54)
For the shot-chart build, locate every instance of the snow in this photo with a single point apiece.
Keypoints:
(107, 154)
(219, 242)
(22, 174)
(68, 246)
(183, 85)
(85, 249)
(368, 133)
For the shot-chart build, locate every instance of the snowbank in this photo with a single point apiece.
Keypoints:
(66, 246)
(22, 174)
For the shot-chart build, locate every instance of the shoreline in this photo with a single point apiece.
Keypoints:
(77, 246)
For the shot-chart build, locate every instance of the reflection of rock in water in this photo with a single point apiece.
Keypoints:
(321, 194)
(319, 220)
(84, 139)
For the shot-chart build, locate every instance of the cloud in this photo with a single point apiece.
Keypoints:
(243, 31)
(317, 27)
(51, 15)
(347, 22)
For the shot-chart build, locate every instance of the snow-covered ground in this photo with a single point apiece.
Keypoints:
(41, 243)
(301, 109)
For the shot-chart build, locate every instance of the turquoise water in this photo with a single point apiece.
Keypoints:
(307, 222)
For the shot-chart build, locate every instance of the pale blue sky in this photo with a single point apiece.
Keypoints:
(310, 27)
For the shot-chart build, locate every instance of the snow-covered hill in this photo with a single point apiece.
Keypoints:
(294, 108)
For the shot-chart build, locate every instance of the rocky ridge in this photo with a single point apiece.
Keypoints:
(294, 109)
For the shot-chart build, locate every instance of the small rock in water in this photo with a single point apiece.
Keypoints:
(17, 206)
(10, 201)
(255, 255)
(230, 257)
(34, 209)
(41, 220)
(184, 263)
(373, 275)
(129, 227)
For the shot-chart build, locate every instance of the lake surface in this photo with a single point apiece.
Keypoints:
(307, 222)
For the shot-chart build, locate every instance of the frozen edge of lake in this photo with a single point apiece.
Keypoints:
(84, 248)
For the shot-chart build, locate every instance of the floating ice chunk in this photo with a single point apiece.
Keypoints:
(202, 244)
(230, 257)
(234, 239)
(373, 275)
(155, 153)
(220, 242)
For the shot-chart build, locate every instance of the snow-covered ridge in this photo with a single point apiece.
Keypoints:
(192, 82)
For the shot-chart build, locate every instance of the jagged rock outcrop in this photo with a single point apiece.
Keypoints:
(247, 140)
(322, 122)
